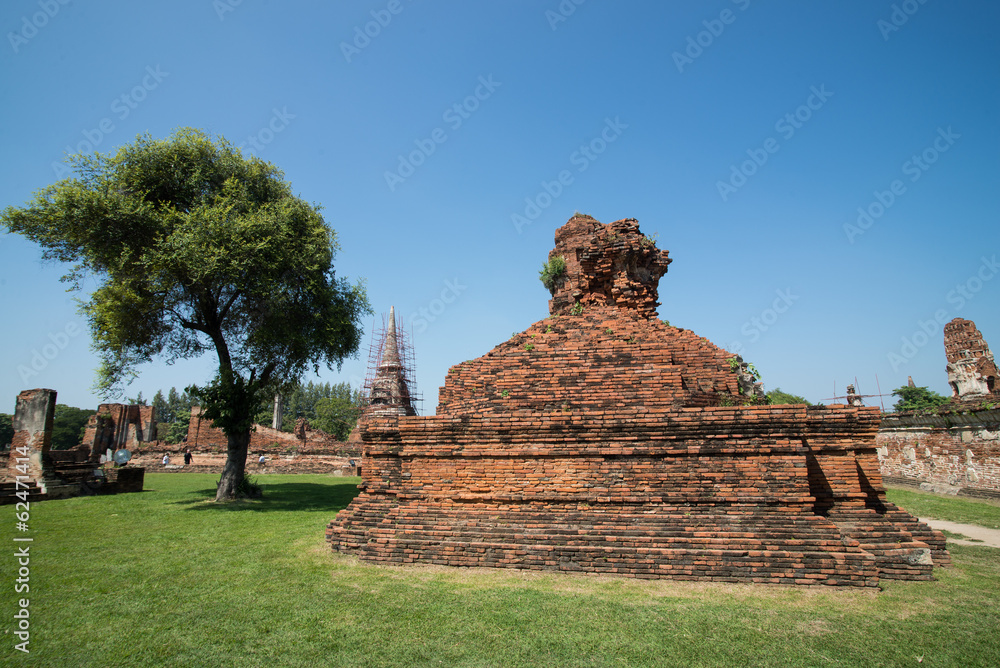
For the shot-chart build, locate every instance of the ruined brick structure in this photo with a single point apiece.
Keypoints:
(595, 442)
(956, 448)
(48, 473)
(29, 448)
(117, 426)
(204, 436)
(955, 452)
(972, 372)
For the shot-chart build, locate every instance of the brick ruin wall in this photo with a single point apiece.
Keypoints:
(972, 371)
(304, 451)
(748, 494)
(116, 426)
(48, 473)
(595, 441)
(29, 448)
(951, 453)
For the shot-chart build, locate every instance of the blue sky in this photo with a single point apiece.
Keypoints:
(749, 137)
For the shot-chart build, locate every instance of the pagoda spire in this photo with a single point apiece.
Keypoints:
(389, 390)
(390, 351)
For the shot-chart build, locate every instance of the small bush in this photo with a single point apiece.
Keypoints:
(551, 272)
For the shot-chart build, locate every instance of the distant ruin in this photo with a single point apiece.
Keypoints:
(603, 440)
(954, 449)
(33, 468)
(116, 426)
(972, 372)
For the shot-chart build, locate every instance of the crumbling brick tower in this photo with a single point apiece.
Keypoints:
(595, 441)
(972, 371)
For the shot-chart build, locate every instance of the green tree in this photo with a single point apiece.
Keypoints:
(778, 397)
(917, 398)
(136, 401)
(337, 414)
(177, 430)
(6, 430)
(173, 414)
(196, 247)
(68, 425)
(326, 406)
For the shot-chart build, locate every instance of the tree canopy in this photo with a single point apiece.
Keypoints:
(778, 397)
(173, 414)
(198, 248)
(68, 425)
(332, 408)
(917, 398)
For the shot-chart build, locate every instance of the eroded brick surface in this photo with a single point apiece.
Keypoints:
(29, 448)
(972, 371)
(949, 453)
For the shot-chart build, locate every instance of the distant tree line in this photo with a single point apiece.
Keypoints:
(329, 407)
(917, 398)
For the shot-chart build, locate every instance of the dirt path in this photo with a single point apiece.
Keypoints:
(982, 535)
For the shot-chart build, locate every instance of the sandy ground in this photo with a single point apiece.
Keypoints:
(982, 535)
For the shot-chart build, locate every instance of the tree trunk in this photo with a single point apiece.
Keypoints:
(236, 464)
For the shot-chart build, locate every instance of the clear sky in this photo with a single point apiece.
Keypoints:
(824, 174)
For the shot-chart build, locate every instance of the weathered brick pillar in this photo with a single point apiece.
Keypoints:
(32, 434)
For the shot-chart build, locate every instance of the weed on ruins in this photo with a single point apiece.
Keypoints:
(152, 579)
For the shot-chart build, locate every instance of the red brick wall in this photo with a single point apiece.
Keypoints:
(950, 452)
(204, 436)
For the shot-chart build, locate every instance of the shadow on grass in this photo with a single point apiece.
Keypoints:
(282, 496)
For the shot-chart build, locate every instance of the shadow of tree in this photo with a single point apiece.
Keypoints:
(281, 496)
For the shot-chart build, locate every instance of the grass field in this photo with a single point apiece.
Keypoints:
(165, 578)
(951, 508)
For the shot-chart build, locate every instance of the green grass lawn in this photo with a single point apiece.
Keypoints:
(950, 508)
(166, 578)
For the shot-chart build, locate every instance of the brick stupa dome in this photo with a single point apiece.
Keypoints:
(603, 345)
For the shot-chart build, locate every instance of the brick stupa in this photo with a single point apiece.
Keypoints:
(603, 440)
